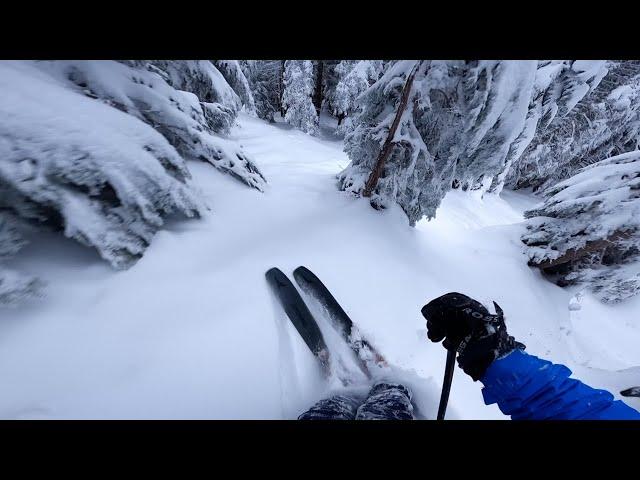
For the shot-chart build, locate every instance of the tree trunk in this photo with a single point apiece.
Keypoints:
(576, 254)
(317, 94)
(372, 181)
(281, 87)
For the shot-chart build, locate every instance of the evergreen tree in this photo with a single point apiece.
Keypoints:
(235, 77)
(602, 118)
(96, 150)
(297, 96)
(588, 229)
(330, 82)
(455, 126)
(318, 89)
(193, 106)
(265, 81)
(354, 77)
(15, 287)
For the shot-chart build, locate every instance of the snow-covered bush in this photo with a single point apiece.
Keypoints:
(297, 96)
(588, 229)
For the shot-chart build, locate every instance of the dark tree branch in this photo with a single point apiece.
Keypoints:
(372, 181)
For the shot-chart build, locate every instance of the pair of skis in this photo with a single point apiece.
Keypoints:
(304, 322)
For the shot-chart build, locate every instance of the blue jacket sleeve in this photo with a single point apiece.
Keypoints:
(529, 388)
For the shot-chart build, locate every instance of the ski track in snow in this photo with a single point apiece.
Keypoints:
(191, 331)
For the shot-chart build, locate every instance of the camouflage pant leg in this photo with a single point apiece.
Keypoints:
(338, 407)
(387, 401)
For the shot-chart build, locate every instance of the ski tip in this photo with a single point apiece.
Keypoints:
(272, 271)
(275, 275)
(304, 272)
(631, 392)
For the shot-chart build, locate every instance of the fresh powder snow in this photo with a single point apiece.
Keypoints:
(191, 331)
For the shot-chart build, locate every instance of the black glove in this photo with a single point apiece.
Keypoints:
(468, 328)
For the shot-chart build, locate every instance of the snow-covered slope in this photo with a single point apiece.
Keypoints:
(191, 331)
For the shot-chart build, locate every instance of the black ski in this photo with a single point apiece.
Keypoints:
(300, 316)
(631, 392)
(313, 286)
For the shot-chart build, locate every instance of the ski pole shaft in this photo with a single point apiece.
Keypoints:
(446, 383)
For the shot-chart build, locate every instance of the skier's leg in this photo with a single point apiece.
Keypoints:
(387, 401)
(338, 407)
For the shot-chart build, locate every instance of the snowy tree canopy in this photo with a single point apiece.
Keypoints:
(479, 124)
(168, 95)
(297, 95)
(78, 165)
(320, 79)
(265, 80)
(457, 125)
(330, 79)
(354, 78)
(588, 229)
(582, 112)
(235, 77)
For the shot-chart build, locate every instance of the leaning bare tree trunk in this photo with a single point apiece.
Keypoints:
(281, 87)
(372, 181)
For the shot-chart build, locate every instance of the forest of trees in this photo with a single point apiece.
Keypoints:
(416, 129)
(568, 130)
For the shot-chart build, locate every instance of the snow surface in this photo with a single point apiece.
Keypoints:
(191, 330)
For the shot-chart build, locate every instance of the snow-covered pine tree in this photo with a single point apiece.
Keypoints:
(593, 115)
(14, 286)
(494, 98)
(235, 77)
(318, 89)
(95, 150)
(340, 101)
(588, 229)
(265, 81)
(218, 102)
(297, 96)
(77, 165)
(354, 77)
(457, 124)
(189, 102)
(330, 81)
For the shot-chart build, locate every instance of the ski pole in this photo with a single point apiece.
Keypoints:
(446, 383)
